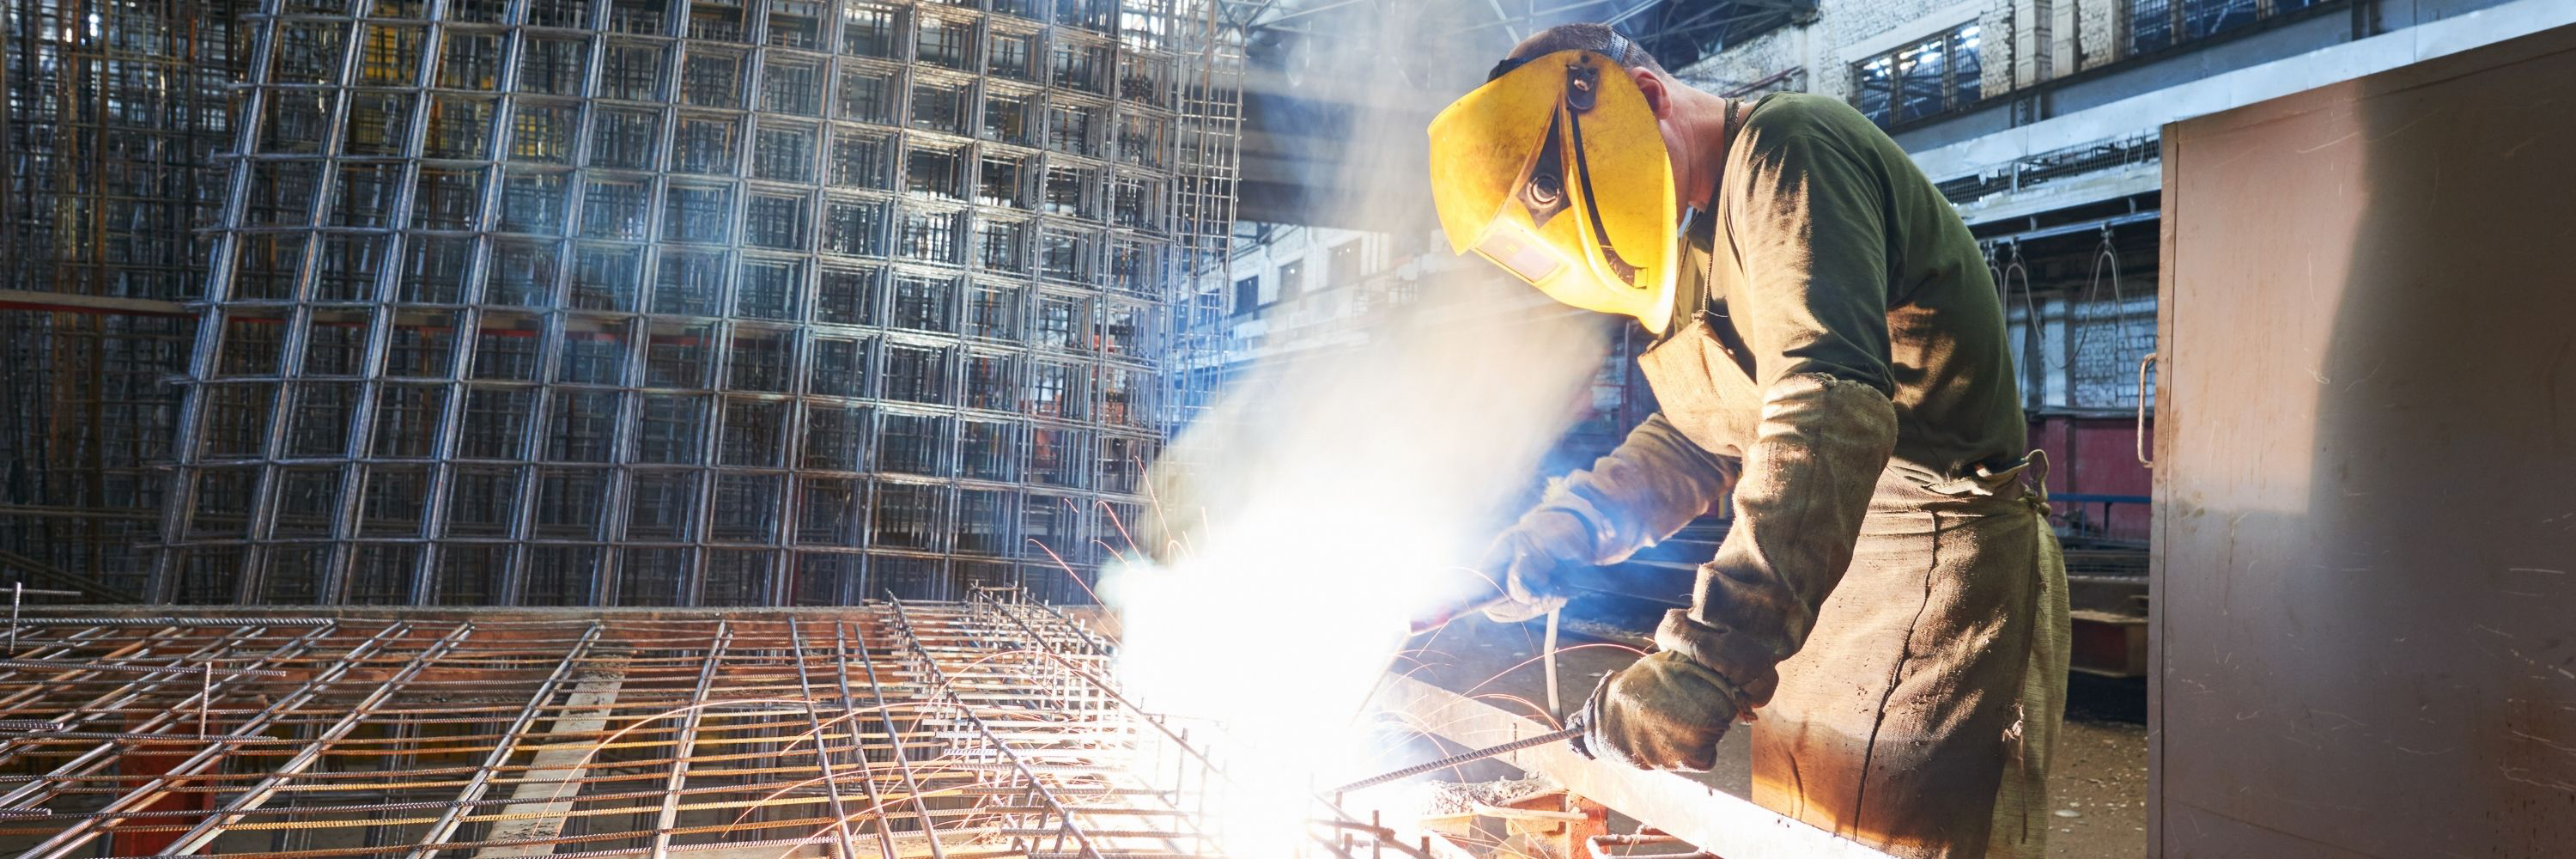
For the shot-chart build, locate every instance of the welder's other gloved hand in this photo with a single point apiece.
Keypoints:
(1663, 712)
(1529, 559)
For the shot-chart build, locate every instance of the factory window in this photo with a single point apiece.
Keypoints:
(2159, 24)
(1292, 280)
(1344, 265)
(1926, 78)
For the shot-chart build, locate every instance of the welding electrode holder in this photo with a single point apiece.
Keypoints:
(1442, 616)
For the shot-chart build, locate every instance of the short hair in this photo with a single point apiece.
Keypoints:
(1582, 36)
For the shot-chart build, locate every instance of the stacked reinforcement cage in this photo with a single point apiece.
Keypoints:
(115, 114)
(660, 302)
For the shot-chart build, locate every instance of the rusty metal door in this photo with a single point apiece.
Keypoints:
(2365, 544)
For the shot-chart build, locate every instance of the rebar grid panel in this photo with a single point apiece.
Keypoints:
(1211, 132)
(950, 729)
(627, 302)
(114, 112)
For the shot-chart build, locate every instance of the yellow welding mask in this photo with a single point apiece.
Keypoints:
(1555, 170)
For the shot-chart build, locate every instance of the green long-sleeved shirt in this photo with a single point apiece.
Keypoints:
(1835, 255)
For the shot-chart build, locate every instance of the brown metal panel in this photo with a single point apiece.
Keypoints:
(2366, 548)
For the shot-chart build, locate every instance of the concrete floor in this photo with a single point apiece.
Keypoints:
(2098, 784)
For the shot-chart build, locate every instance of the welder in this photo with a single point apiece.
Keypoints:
(1888, 609)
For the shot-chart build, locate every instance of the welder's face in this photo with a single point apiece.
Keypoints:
(1560, 172)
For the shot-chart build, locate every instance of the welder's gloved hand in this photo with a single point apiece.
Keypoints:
(1529, 561)
(1663, 712)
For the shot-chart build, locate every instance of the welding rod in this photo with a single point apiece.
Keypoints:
(1462, 758)
(1441, 617)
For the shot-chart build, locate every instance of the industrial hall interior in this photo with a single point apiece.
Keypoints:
(1287, 429)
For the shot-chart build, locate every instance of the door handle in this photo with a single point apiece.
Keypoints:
(2143, 364)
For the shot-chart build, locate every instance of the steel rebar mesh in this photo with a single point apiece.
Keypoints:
(114, 112)
(981, 725)
(633, 302)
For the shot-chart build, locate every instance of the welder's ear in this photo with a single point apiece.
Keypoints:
(1657, 98)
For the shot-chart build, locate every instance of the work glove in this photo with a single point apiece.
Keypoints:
(1663, 712)
(1529, 560)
